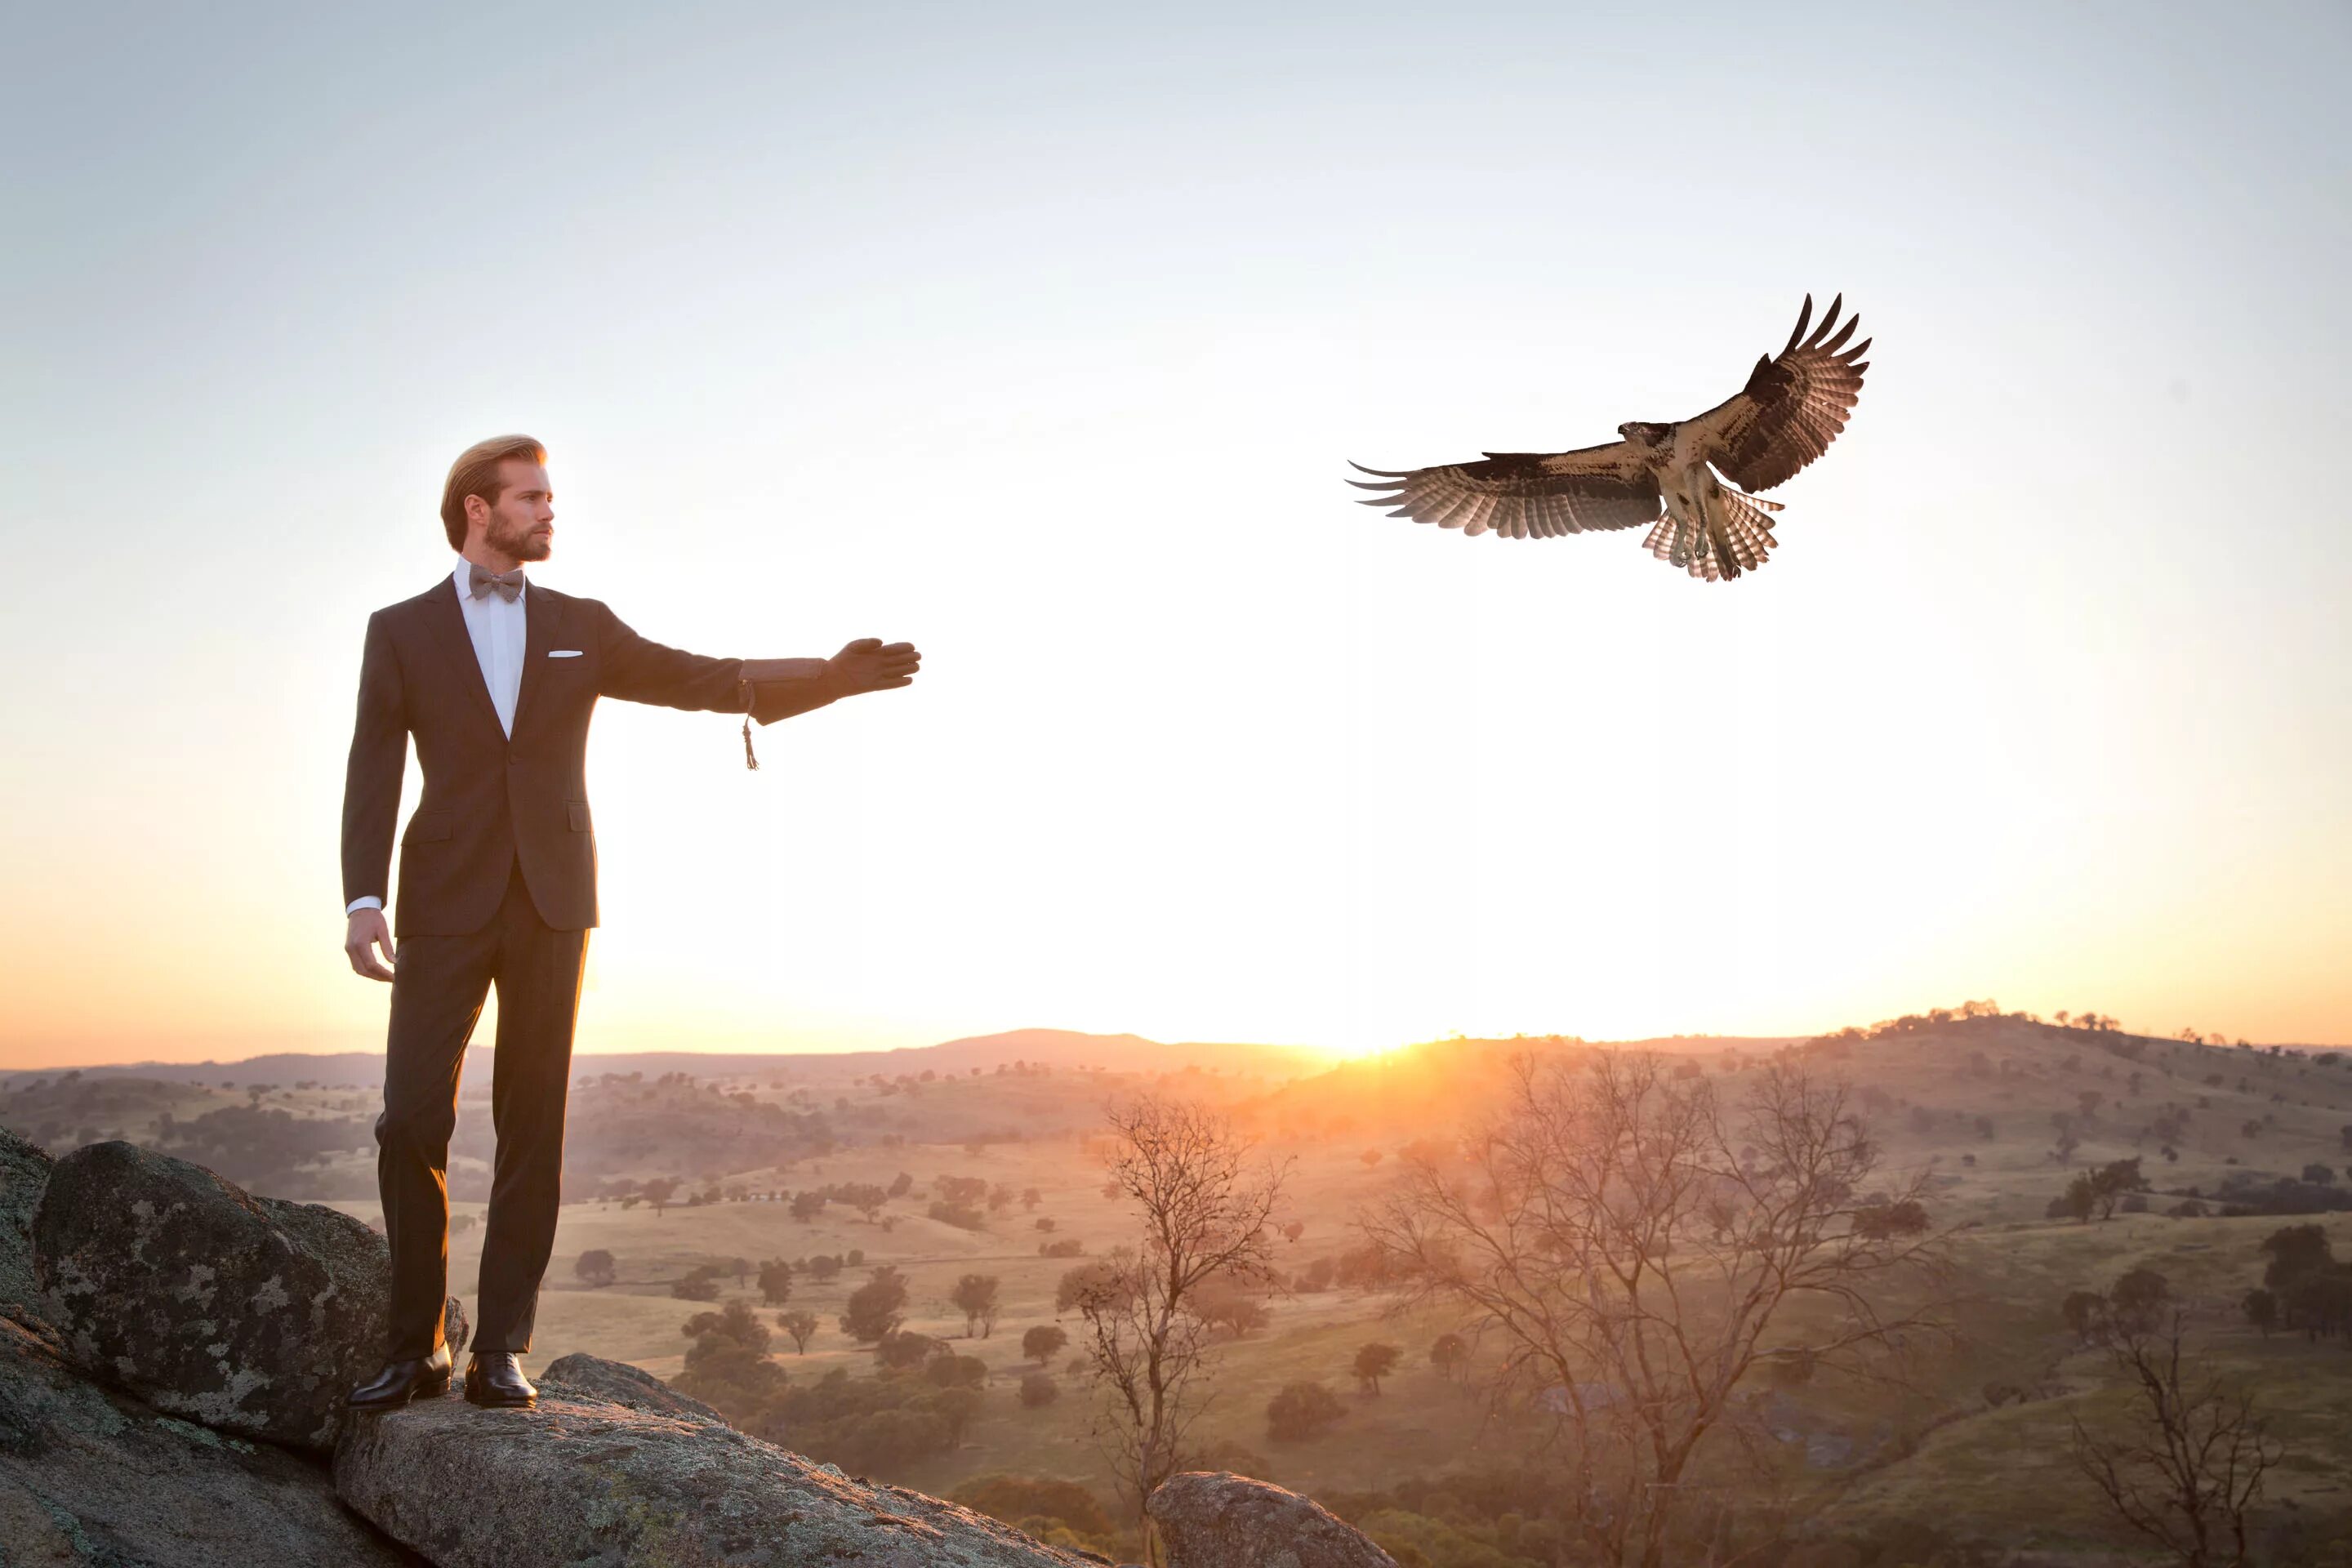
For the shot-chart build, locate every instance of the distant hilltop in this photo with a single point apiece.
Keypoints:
(1058, 1048)
(1061, 1048)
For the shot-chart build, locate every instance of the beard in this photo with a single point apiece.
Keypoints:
(519, 542)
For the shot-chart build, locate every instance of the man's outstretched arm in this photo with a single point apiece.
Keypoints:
(372, 777)
(638, 669)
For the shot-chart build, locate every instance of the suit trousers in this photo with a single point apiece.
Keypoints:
(439, 984)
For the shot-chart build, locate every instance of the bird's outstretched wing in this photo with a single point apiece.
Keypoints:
(1524, 495)
(1792, 407)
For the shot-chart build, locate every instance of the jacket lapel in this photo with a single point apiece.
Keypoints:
(543, 627)
(456, 645)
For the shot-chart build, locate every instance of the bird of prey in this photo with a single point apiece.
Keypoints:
(1794, 407)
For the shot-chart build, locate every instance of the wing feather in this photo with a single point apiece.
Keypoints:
(1524, 495)
(1794, 405)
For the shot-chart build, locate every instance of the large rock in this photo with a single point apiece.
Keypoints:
(589, 1482)
(618, 1382)
(250, 1315)
(24, 1177)
(88, 1476)
(1212, 1518)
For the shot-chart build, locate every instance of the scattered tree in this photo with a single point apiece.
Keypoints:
(2093, 1193)
(975, 1297)
(1375, 1361)
(596, 1267)
(2188, 1466)
(801, 1323)
(1044, 1342)
(876, 1307)
(1584, 1215)
(1205, 1216)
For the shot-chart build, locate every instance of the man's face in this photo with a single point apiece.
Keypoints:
(522, 525)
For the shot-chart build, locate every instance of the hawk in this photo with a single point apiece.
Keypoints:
(1794, 407)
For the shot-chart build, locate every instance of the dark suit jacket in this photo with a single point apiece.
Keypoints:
(489, 799)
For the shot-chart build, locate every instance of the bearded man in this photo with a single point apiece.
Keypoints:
(496, 678)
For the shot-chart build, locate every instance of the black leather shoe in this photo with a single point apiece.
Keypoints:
(402, 1381)
(494, 1381)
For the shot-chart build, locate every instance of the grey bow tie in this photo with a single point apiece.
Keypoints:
(507, 584)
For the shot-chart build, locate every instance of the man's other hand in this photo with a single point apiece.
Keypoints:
(869, 663)
(367, 929)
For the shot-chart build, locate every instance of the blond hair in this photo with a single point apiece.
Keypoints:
(475, 473)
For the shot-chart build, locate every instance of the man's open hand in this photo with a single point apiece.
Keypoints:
(367, 929)
(869, 663)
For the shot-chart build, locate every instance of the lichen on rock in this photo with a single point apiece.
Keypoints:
(91, 1476)
(248, 1314)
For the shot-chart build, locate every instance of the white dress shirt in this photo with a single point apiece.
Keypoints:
(497, 628)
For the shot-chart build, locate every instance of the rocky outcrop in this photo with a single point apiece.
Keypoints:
(250, 1315)
(1212, 1518)
(589, 1482)
(88, 1476)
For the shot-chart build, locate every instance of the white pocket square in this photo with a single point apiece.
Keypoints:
(564, 653)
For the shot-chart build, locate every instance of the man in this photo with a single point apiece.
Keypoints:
(496, 678)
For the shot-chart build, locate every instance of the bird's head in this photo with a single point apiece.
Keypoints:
(1643, 434)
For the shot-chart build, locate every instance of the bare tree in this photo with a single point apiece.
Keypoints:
(2191, 1465)
(1640, 1248)
(1205, 1218)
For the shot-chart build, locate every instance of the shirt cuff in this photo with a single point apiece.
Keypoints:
(369, 902)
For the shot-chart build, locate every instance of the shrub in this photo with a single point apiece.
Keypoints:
(700, 1284)
(1883, 1221)
(727, 1365)
(1012, 1498)
(1301, 1411)
(865, 1425)
(964, 1216)
(1039, 1388)
(949, 1370)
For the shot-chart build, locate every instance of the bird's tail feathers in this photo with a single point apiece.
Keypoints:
(1732, 534)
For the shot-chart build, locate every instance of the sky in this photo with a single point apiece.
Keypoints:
(1041, 336)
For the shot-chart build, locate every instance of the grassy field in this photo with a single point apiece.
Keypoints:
(1934, 1450)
